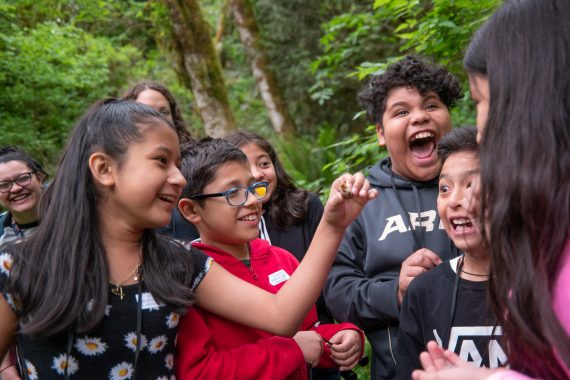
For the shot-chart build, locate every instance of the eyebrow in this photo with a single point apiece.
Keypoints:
(236, 182)
(405, 103)
(468, 172)
(164, 149)
(397, 104)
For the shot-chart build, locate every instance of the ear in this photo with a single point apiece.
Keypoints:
(188, 210)
(102, 169)
(380, 135)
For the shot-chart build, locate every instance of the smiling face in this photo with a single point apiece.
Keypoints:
(479, 85)
(411, 127)
(156, 100)
(228, 227)
(21, 201)
(147, 182)
(459, 173)
(261, 167)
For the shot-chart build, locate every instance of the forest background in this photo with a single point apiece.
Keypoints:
(287, 69)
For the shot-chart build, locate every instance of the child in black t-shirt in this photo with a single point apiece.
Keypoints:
(448, 304)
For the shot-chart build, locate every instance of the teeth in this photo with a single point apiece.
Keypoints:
(249, 218)
(19, 197)
(461, 221)
(423, 135)
(167, 198)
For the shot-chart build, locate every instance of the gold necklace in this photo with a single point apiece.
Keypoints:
(118, 289)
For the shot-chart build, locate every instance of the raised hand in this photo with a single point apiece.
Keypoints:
(440, 364)
(417, 263)
(349, 193)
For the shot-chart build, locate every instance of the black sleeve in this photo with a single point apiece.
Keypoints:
(410, 337)
(351, 294)
(315, 210)
(201, 263)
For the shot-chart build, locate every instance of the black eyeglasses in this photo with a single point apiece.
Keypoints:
(22, 180)
(237, 196)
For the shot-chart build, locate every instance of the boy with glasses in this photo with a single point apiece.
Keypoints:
(223, 200)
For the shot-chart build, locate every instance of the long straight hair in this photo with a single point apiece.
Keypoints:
(288, 202)
(524, 50)
(61, 275)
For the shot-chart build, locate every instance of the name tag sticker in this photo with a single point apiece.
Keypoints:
(278, 277)
(148, 302)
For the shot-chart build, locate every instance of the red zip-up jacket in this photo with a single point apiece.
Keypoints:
(212, 347)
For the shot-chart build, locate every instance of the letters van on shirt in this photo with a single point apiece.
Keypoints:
(424, 219)
(462, 342)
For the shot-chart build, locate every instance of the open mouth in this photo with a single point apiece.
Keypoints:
(20, 197)
(423, 144)
(461, 224)
(249, 218)
(167, 198)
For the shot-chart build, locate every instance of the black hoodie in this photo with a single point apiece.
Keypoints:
(363, 283)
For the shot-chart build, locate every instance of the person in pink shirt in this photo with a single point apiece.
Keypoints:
(518, 72)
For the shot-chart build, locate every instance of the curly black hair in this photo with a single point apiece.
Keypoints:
(411, 71)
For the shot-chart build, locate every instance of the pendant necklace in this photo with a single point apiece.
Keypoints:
(118, 288)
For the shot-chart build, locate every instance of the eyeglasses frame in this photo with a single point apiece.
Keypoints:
(13, 181)
(250, 189)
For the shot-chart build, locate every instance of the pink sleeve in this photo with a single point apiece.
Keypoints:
(561, 294)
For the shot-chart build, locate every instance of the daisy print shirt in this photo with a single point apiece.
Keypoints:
(109, 351)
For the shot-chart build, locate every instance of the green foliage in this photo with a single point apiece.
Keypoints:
(363, 42)
(316, 163)
(440, 29)
(57, 57)
(50, 74)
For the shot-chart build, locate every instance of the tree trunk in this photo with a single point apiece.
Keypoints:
(265, 78)
(199, 67)
(220, 30)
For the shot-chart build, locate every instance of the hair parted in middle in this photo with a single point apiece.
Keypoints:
(463, 139)
(66, 254)
(412, 71)
(288, 202)
(201, 160)
(179, 124)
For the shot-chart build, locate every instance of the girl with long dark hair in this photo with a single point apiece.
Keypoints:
(518, 70)
(159, 97)
(96, 293)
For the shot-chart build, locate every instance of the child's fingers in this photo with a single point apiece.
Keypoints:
(347, 359)
(344, 185)
(359, 181)
(437, 355)
(342, 352)
(427, 362)
(454, 359)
